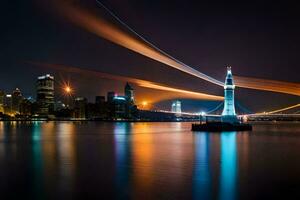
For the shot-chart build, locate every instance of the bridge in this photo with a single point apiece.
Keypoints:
(215, 114)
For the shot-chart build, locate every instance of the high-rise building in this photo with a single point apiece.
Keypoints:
(100, 108)
(120, 107)
(176, 107)
(80, 108)
(59, 105)
(45, 94)
(25, 107)
(2, 97)
(110, 96)
(16, 100)
(99, 100)
(128, 91)
(8, 104)
(228, 114)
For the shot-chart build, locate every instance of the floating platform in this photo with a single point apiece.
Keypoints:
(221, 126)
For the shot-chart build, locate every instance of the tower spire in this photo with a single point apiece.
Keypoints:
(228, 114)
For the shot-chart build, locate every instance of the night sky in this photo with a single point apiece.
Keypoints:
(257, 38)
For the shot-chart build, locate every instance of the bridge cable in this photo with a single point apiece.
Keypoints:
(194, 71)
(216, 108)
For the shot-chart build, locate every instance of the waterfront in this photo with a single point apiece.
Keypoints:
(93, 160)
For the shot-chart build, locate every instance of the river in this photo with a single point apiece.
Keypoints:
(97, 160)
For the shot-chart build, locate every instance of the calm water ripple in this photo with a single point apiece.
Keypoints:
(95, 160)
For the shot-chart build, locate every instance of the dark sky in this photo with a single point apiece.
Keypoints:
(257, 38)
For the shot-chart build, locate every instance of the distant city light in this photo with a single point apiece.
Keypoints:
(119, 98)
(144, 103)
(202, 113)
(68, 90)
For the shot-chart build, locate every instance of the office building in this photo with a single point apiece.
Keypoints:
(176, 107)
(2, 97)
(80, 105)
(110, 96)
(25, 107)
(99, 100)
(16, 100)
(8, 104)
(128, 91)
(45, 94)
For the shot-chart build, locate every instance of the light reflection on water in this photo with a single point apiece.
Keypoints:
(123, 158)
(144, 161)
(228, 171)
(202, 175)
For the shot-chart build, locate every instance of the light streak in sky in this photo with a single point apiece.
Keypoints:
(139, 82)
(133, 41)
(282, 109)
(94, 24)
(268, 85)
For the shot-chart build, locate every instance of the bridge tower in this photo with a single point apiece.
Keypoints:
(228, 114)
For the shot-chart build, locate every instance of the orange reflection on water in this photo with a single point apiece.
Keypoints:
(243, 151)
(1, 130)
(143, 155)
(156, 161)
(2, 153)
(48, 145)
(66, 148)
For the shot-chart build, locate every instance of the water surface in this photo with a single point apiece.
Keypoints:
(95, 160)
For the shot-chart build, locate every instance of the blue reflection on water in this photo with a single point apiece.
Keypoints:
(37, 161)
(122, 154)
(202, 173)
(228, 171)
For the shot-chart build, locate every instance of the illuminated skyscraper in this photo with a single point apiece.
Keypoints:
(110, 96)
(45, 94)
(128, 91)
(228, 114)
(176, 107)
(80, 108)
(8, 104)
(16, 100)
(2, 97)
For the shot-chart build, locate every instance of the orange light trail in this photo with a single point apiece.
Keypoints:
(139, 82)
(89, 21)
(94, 24)
(282, 109)
(268, 85)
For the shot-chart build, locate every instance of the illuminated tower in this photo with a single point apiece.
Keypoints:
(16, 100)
(45, 94)
(176, 108)
(228, 114)
(128, 90)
